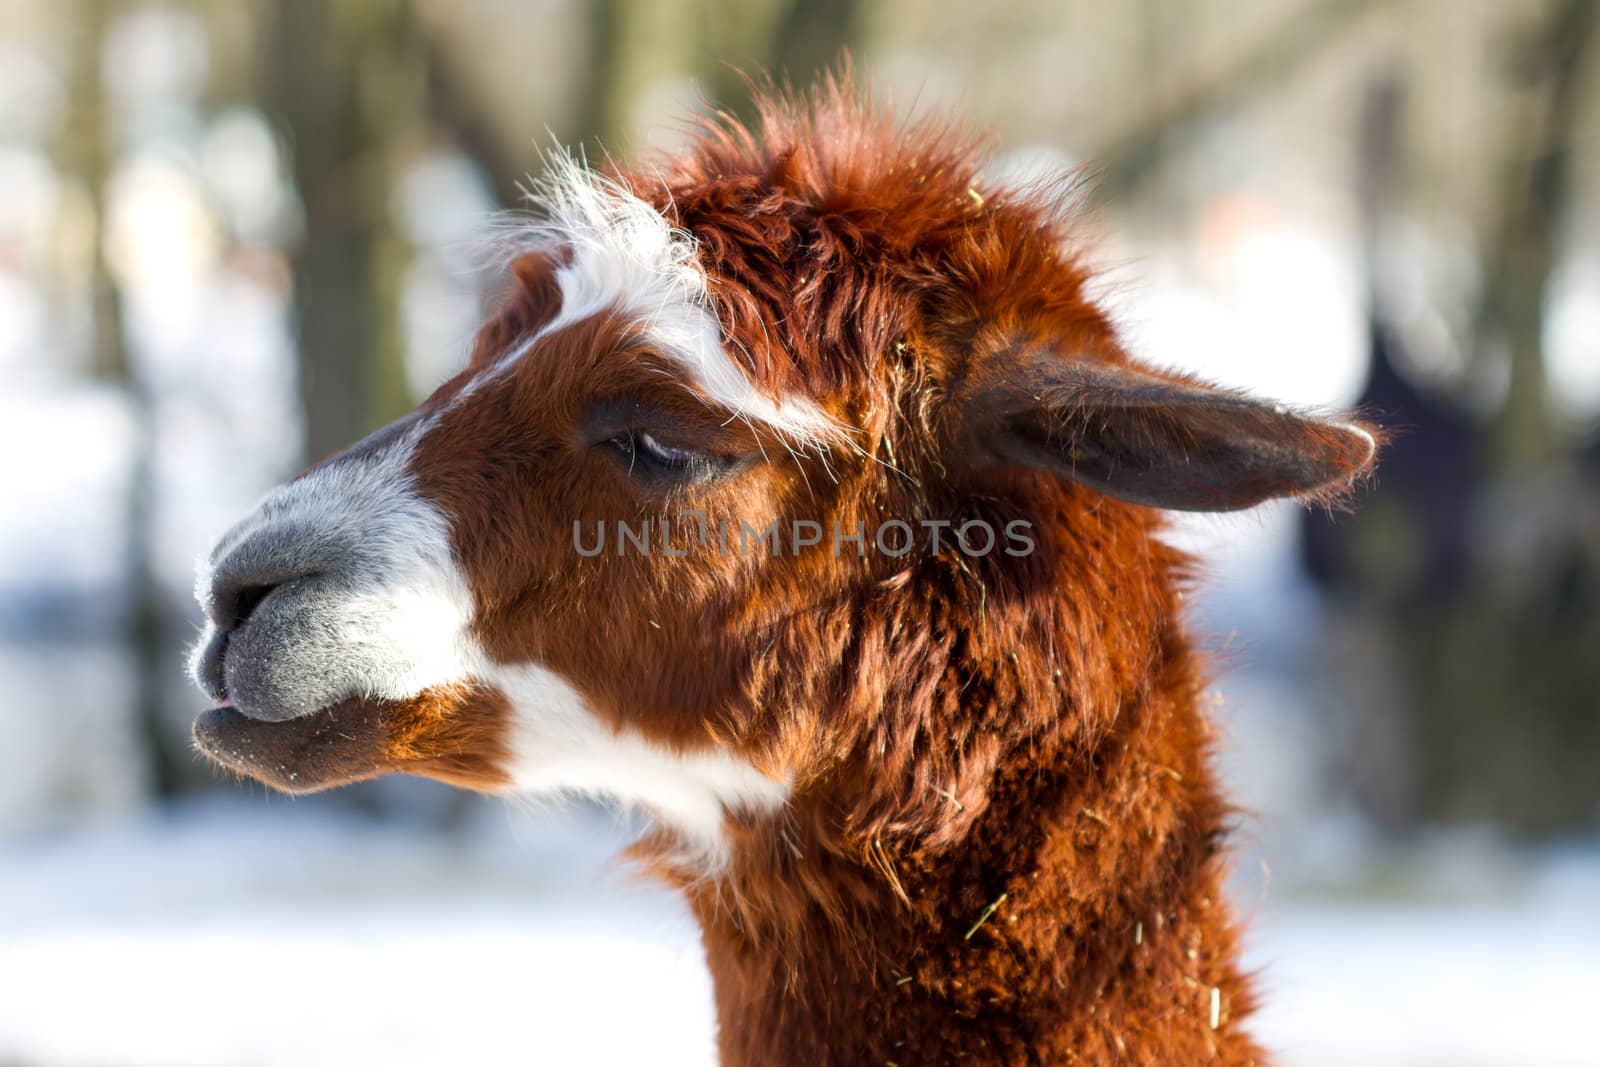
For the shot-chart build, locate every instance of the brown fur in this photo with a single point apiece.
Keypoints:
(1003, 844)
(957, 729)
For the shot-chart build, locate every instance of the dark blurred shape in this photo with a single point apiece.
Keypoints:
(811, 35)
(1464, 647)
(1429, 468)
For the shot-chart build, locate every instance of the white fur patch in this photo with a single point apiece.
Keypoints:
(625, 255)
(560, 745)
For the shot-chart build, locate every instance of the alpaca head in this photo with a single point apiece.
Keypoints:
(663, 538)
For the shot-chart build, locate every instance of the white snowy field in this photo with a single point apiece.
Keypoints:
(265, 931)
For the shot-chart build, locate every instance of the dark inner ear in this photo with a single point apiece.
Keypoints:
(1163, 441)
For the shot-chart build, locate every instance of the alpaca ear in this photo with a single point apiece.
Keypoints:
(1160, 440)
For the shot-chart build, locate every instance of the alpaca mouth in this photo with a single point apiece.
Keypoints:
(258, 730)
(298, 712)
(300, 704)
(458, 734)
(336, 746)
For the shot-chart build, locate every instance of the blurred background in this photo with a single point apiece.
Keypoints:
(237, 235)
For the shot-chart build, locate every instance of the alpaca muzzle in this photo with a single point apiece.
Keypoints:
(287, 636)
(338, 595)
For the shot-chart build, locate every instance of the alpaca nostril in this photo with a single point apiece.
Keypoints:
(247, 601)
(230, 608)
(236, 583)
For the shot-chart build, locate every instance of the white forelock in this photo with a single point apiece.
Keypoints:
(623, 254)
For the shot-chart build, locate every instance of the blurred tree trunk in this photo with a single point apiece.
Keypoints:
(1134, 155)
(347, 81)
(450, 108)
(792, 42)
(636, 45)
(812, 36)
(1473, 570)
(633, 50)
(87, 151)
(1514, 670)
(633, 44)
(1541, 124)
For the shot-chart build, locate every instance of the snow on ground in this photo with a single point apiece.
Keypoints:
(274, 936)
(1386, 985)
(271, 932)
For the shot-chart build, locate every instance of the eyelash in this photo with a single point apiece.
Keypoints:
(638, 447)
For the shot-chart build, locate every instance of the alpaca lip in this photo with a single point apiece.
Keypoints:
(332, 747)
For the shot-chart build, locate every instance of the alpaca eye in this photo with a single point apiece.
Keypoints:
(648, 458)
(664, 455)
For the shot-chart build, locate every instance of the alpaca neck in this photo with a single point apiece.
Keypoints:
(1079, 915)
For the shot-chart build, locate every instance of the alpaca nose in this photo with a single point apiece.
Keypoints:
(262, 577)
(245, 578)
(249, 570)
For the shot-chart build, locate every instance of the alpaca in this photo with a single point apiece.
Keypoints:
(799, 493)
